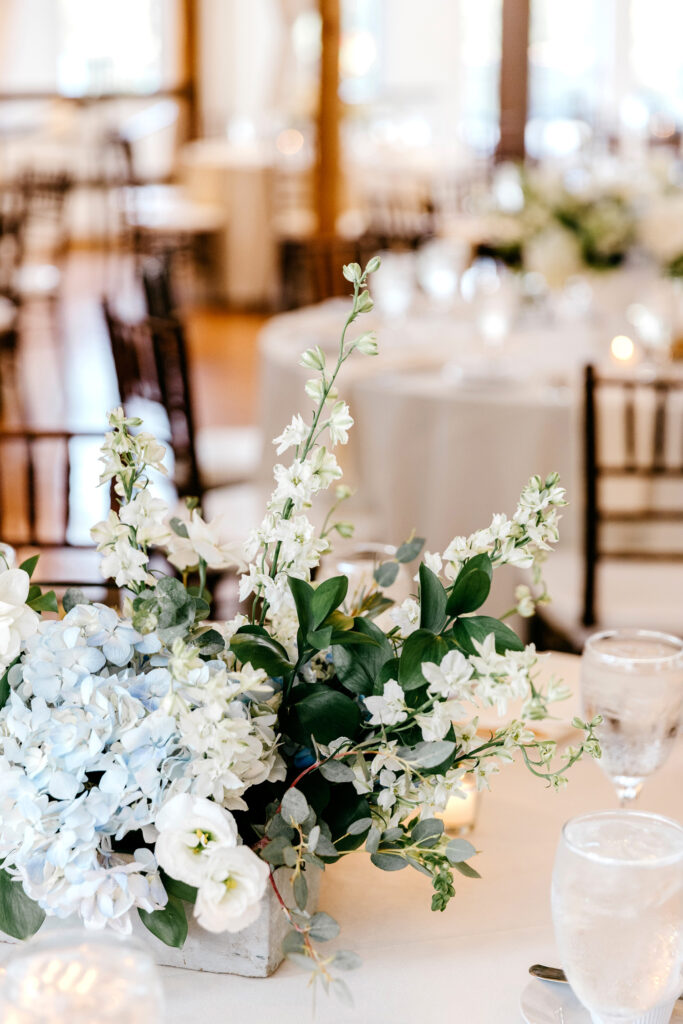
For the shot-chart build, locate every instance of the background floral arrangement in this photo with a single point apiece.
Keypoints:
(151, 760)
(562, 224)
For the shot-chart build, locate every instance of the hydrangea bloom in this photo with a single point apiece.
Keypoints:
(100, 728)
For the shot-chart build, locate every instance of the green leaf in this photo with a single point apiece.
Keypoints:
(262, 652)
(351, 638)
(336, 771)
(386, 573)
(179, 527)
(388, 861)
(274, 852)
(410, 550)
(471, 587)
(4, 687)
(326, 848)
(323, 927)
(320, 638)
(20, 916)
(466, 870)
(210, 642)
(346, 960)
(478, 627)
(372, 841)
(427, 754)
(182, 890)
(44, 602)
(428, 828)
(327, 597)
(459, 850)
(323, 713)
(73, 596)
(294, 806)
(300, 891)
(293, 942)
(360, 825)
(169, 925)
(421, 646)
(433, 598)
(29, 565)
(277, 826)
(303, 593)
(357, 670)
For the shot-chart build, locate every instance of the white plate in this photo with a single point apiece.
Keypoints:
(544, 1002)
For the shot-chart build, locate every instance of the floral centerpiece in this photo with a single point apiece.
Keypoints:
(154, 762)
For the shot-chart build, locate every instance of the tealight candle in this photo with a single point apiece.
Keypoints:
(80, 976)
(460, 815)
(622, 348)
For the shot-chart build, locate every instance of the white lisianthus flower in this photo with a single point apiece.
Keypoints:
(125, 564)
(339, 423)
(451, 678)
(229, 896)
(390, 708)
(190, 828)
(292, 436)
(407, 616)
(17, 621)
(204, 540)
(433, 561)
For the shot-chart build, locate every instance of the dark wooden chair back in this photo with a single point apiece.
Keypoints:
(311, 268)
(44, 199)
(170, 353)
(12, 244)
(158, 288)
(134, 361)
(636, 487)
(49, 500)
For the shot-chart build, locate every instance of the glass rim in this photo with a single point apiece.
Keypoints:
(632, 633)
(624, 815)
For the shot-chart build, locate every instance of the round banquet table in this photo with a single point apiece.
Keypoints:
(467, 965)
(445, 434)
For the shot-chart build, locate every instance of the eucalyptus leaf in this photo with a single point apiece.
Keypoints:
(388, 861)
(313, 838)
(300, 887)
(73, 596)
(277, 826)
(294, 806)
(427, 754)
(293, 942)
(466, 870)
(360, 825)
(372, 842)
(325, 847)
(459, 850)
(346, 960)
(336, 771)
(427, 829)
(323, 927)
(179, 527)
(408, 551)
(386, 573)
(290, 856)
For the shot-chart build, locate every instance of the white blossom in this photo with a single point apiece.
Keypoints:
(190, 828)
(230, 893)
(17, 620)
(390, 708)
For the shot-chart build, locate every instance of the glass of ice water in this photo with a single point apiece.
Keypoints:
(617, 902)
(634, 679)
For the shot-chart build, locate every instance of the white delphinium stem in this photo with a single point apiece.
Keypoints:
(312, 469)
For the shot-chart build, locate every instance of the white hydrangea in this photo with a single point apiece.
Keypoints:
(101, 726)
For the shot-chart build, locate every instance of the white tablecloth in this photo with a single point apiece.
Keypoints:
(467, 965)
(444, 436)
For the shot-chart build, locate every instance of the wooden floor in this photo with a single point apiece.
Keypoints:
(65, 370)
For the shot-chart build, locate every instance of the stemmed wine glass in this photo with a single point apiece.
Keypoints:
(617, 903)
(633, 678)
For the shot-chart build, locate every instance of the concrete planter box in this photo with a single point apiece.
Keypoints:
(255, 952)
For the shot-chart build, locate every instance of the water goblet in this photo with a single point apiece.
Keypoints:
(633, 678)
(617, 905)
